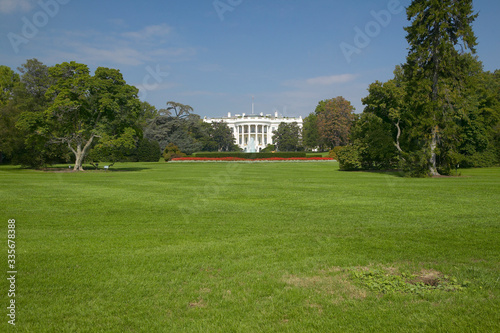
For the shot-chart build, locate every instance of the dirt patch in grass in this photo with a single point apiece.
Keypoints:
(428, 278)
(198, 304)
(384, 280)
(338, 286)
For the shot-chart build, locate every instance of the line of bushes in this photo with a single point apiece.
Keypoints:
(250, 155)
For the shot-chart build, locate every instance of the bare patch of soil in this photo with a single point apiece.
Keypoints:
(428, 278)
(338, 285)
(198, 304)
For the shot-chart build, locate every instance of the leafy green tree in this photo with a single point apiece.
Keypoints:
(184, 132)
(9, 136)
(335, 117)
(84, 108)
(147, 112)
(179, 110)
(221, 134)
(478, 120)
(287, 137)
(28, 147)
(439, 32)
(113, 148)
(373, 135)
(387, 101)
(310, 132)
(36, 81)
(8, 80)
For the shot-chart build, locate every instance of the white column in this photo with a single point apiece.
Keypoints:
(261, 135)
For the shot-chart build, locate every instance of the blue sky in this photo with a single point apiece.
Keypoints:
(216, 55)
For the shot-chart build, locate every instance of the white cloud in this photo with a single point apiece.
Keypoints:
(202, 93)
(329, 80)
(120, 55)
(149, 32)
(94, 47)
(321, 81)
(10, 6)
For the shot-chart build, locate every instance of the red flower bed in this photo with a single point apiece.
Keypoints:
(256, 159)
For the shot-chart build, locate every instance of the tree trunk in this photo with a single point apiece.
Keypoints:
(398, 146)
(435, 96)
(432, 161)
(78, 159)
(80, 154)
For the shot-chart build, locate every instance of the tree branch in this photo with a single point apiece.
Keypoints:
(398, 147)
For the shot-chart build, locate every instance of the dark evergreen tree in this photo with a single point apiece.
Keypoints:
(439, 32)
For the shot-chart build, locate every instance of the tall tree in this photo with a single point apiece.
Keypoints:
(179, 110)
(147, 112)
(287, 137)
(184, 132)
(8, 112)
(82, 108)
(439, 32)
(310, 131)
(478, 122)
(335, 117)
(387, 101)
(222, 136)
(8, 80)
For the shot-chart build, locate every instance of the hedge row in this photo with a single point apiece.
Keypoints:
(250, 155)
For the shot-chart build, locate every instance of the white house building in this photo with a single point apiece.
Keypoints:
(254, 132)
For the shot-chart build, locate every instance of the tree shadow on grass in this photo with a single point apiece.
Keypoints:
(118, 169)
(91, 169)
(393, 173)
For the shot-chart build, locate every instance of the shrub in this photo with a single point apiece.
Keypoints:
(172, 151)
(254, 159)
(334, 152)
(148, 151)
(269, 149)
(416, 164)
(251, 155)
(349, 158)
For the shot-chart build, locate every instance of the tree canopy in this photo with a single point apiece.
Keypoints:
(287, 137)
(82, 108)
(440, 31)
(440, 110)
(335, 117)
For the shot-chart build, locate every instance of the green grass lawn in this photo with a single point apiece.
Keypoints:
(239, 247)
